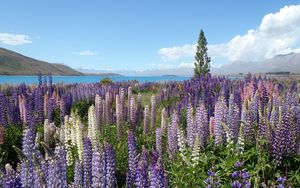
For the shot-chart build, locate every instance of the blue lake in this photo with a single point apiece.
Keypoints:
(87, 79)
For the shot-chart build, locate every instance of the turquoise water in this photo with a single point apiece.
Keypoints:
(87, 79)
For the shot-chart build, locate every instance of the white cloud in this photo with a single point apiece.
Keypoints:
(173, 53)
(161, 66)
(278, 33)
(14, 39)
(85, 53)
(186, 65)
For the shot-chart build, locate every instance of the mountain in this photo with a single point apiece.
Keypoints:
(147, 72)
(95, 72)
(13, 63)
(280, 63)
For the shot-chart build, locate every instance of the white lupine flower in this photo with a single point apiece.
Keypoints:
(79, 138)
(67, 128)
(122, 104)
(241, 140)
(46, 132)
(182, 146)
(153, 112)
(98, 108)
(146, 119)
(190, 126)
(92, 127)
(196, 151)
(132, 111)
(229, 136)
(181, 141)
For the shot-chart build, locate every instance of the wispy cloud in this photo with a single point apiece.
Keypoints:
(278, 33)
(85, 53)
(176, 52)
(14, 39)
(186, 65)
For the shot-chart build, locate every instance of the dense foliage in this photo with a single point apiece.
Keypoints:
(204, 132)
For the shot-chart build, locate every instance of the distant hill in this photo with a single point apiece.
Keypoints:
(92, 72)
(13, 63)
(280, 63)
(147, 72)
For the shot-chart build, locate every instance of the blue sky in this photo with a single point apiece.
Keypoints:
(142, 35)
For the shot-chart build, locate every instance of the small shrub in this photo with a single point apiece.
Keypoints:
(106, 81)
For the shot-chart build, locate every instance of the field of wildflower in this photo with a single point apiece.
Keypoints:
(204, 132)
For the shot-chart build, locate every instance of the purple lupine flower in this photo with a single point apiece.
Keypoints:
(50, 109)
(249, 126)
(285, 129)
(153, 112)
(281, 181)
(110, 166)
(139, 109)
(78, 174)
(51, 172)
(62, 107)
(264, 97)
(3, 110)
(157, 175)
(190, 129)
(294, 130)
(11, 178)
(254, 108)
(141, 176)
(61, 166)
(245, 174)
(1, 134)
(163, 120)
(221, 117)
(233, 118)
(39, 105)
(28, 110)
(158, 141)
(129, 94)
(172, 135)
(240, 177)
(118, 116)
(238, 164)
(13, 111)
(132, 157)
(212, 180)
(87, 163)
(263, 129)
(281, 135)
(201, 123)
(39, 178)
(28, 148)
(235, 174)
